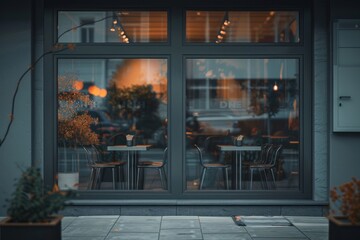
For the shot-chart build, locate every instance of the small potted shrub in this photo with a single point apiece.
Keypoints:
(346, 200)
(32, 210)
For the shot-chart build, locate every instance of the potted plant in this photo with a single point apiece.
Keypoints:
(346, 200)
(32, 210)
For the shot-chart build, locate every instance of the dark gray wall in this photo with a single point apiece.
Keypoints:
(343, 147)
(320, 99)
(15, 56)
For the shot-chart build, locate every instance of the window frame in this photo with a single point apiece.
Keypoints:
(177, 50)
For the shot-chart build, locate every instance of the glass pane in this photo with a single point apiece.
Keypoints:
(102, 105)
(238, 111)
(242, 26)
(118, 27)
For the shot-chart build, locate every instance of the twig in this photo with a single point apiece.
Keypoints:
(56, 49)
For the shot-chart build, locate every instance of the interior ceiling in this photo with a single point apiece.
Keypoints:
(203, 26)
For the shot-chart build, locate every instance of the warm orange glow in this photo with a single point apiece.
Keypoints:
(102, 93)
(94, 90)
(78, 85)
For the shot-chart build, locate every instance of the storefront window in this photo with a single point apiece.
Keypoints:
(242, 124)
(104, 103)
(242, 27)
(112, 27)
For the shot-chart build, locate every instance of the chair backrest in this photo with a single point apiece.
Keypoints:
(92, 154)
(165, 156)
(276, 154)
(266, 153)
(199, 155)
(117, 139)
(211, 150)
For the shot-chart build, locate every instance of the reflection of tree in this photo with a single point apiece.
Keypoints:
(138, 104)
(264, 100)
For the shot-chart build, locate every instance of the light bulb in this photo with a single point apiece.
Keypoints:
(275, 87)
(112, 29)
(222, 32)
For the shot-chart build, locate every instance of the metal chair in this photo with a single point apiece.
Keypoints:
(272, 154)
(158, 165)
(98, 167)
(212, 165)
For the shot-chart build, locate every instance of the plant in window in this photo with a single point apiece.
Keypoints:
(74, 128)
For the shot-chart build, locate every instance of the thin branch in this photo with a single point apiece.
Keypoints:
(57, 48)
(17, 89)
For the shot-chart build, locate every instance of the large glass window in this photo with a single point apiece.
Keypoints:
(242, 124)
(242, 26)
(102, 104)
(114, 26)
(233, 116)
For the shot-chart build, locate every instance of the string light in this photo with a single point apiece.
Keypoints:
(222, 31)
(120, 29)
(275, 87)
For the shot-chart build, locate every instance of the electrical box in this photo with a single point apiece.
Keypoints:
(346, 76)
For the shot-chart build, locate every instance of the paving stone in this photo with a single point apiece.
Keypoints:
(180, 217)
(136, 228)
(86, 231)
(180, 223)
(139, 219)
(265, 221)
(274, 231)
(93, 221)
(132, 236)
(303, 219)
(227, 236)
(216, 219)
(180, 234)
(317, 235)
(219, 227)
(83, 238)
(66, 221)
(192, 227)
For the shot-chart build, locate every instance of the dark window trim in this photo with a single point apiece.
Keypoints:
(304, 49)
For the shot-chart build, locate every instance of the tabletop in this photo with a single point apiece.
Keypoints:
(129, 148)
(239, 148)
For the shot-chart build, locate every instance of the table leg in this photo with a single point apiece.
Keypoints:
(240, 169)
(128, 171)
(236, 170)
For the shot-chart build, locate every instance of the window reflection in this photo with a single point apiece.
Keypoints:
(242, 26)
(100, 100)
(253, 98)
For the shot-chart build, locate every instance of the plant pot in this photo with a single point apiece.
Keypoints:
(68, 181)
(30, 231)
(340, 228)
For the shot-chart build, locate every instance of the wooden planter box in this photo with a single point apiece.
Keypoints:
(31, 231)
(340, 229)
